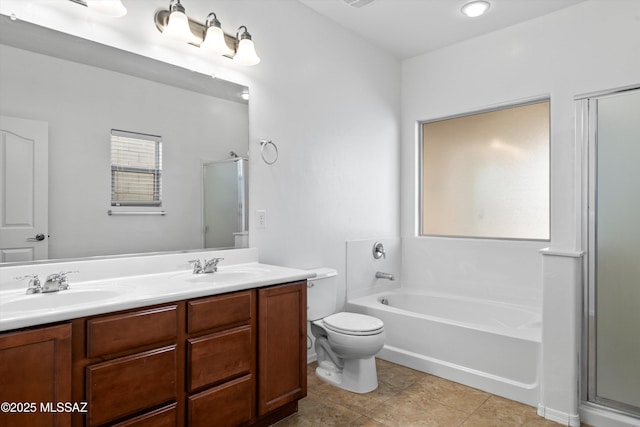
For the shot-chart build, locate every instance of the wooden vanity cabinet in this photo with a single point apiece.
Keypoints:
(221, 360)
(35, 370)
(282, 352)
(126, 364)
(236, 359)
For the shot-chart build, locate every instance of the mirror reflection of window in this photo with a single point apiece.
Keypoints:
(136, 169)
(487, 174)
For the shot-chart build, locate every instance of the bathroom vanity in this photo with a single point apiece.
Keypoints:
(233, 354)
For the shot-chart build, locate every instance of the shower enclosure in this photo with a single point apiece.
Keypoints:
(225, 202)
(611, 376)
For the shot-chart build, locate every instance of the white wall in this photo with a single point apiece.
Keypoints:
(331, 103)
(592, 46)
(329, 100)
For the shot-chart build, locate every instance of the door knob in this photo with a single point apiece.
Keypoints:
(39, 237)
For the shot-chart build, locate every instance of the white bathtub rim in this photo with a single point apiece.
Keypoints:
(529, 334)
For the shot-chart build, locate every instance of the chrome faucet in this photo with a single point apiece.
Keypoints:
(381, 275)
(34, 286)
(197, 266)
(210, 266)
(56, 282)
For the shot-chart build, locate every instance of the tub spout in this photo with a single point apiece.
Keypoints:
(381, 275)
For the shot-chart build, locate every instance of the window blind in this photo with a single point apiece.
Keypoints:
(136, 169)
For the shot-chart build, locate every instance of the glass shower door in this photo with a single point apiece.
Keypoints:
(225, 200)
(614, 357)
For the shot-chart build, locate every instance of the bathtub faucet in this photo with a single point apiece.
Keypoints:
(381, 275)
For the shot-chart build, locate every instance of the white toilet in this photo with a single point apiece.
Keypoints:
(345, 343)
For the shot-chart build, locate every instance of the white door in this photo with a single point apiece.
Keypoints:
(24, 193)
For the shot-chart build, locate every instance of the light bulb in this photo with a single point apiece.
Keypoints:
(178, 27)
(214, 42)
(245, 51)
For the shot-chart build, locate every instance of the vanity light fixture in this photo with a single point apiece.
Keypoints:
(111, 8)
(246, 51)
(475, 8)
(177, 27)
(214, 37)
(210, 36)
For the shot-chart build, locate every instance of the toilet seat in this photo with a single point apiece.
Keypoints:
(353, 324)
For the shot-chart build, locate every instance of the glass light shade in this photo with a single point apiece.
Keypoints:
(214, 42)
(113, 8)
(475, 8)
(178, 28)
(246, 53)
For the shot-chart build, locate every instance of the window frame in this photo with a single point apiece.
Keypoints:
(420, 169)
(157, 172)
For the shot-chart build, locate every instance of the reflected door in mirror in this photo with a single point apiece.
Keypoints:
(23, 189)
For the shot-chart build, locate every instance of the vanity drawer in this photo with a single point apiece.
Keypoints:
(163, 417)
(219, 357)
(219, 311)
(119, 332)
(131, 384)
(230, 404)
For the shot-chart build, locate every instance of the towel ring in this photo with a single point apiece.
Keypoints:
(263, 144)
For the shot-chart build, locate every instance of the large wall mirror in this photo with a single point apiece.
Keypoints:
(82, 91)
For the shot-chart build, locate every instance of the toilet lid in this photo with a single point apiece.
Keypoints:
(353, 324)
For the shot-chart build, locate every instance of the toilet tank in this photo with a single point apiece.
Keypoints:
(321, 293)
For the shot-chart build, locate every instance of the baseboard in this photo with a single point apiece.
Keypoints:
(559, 416)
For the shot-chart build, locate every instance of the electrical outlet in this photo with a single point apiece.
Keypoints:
(261, 218)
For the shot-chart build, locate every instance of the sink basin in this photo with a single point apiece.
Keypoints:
(55, 300)
(223, 276)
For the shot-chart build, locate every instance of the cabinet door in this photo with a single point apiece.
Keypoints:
(229, 404)
(282, 329)
(122, 331)
(131, 384)
(163, 417)
(231, 309)
(219, 357)
(35, 370)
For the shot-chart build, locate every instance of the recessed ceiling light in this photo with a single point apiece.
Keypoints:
(475, 8)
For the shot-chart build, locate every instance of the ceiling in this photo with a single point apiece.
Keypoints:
(407, 28)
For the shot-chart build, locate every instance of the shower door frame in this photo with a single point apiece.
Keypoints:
(586, 138)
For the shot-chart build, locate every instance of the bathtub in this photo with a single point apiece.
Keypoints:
(489, 346)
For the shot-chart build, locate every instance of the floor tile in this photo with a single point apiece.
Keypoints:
(314, 411)
(448, 393)
(360, 403)
(396, 376)
(365, 421)
(408, 398)
(411, 410)
(497, 411)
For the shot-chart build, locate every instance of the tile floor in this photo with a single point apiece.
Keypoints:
(408, 398)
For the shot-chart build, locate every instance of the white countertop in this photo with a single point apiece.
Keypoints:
(109, 294)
